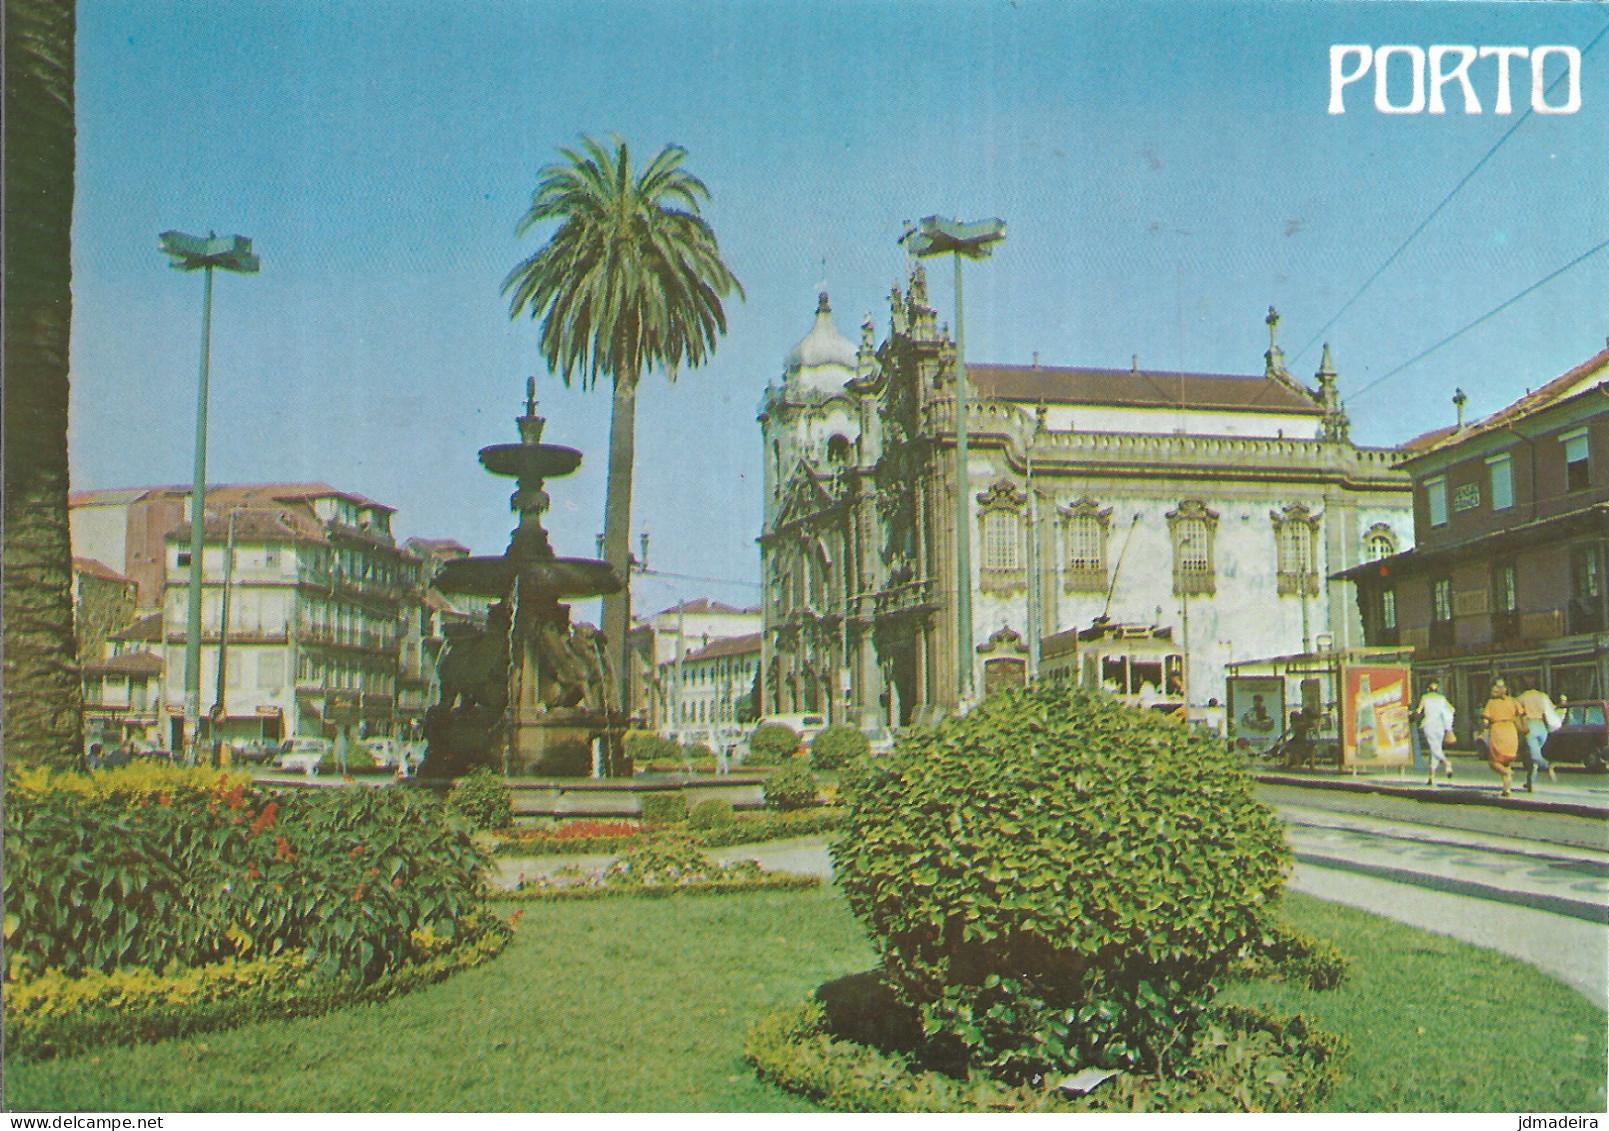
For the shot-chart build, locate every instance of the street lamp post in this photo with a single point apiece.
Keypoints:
(195, 253)
(936, 235)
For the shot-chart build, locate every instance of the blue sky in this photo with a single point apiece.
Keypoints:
(1167, 172)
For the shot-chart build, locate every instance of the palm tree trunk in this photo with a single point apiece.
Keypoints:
(617, 534)
(43, 701)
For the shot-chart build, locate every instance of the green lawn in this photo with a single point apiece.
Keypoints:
(641, 1005)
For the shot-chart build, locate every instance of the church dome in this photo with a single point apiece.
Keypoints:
(824, 346)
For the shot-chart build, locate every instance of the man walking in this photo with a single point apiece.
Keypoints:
(1435, 721)
(1541, 716)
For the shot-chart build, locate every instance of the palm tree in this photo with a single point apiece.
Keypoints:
(42, 717)
(632, 279)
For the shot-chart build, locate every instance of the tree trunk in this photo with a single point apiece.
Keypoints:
(617, 535)
(43, 700)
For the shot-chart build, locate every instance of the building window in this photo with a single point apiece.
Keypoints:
(1500, 469)
(1505, 591)
(1193, 528)
(1388, 610)
(1379, 543)
(1295, 546)
(1436, 500)
(1586, 590)
(1441, 599)
(1577, 472)
(1084, 529)
(1000, 527)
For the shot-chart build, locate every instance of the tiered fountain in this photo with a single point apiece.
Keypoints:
(530, 693)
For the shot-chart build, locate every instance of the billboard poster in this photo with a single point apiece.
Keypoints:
(1375, 709)
(1256, 711)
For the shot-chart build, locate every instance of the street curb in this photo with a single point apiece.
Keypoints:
(1443, 796)
(1536, 901)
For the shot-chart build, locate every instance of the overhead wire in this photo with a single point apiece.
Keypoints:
(1436, 211)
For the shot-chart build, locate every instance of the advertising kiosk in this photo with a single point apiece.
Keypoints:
(1347, 708)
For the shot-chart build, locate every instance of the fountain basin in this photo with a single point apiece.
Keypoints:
(539, 461)
(560, 577)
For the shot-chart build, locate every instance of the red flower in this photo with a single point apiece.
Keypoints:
(358, 894)
(264, 819)
(236, 796)
(514, 920)
(282, 849)
(253, 874)
(357, 850)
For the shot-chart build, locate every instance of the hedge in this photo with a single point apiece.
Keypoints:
(55, 1015)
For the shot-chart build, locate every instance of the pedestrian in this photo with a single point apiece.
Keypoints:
(1541, 716)
(1435, 723)
(1504, 718)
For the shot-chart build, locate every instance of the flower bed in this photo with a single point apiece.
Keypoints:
(660, 868)
(57, 1015)
(1243, 1061)
(601, 837)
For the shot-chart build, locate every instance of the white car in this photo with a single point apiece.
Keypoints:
(302, 754)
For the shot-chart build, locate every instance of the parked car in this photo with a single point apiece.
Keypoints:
(1584, 736)
(386, 752)
(255, 751)
(302, 754)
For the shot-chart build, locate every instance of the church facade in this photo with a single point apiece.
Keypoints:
(1209, 509)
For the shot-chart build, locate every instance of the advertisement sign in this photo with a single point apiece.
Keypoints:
(1375, 727)
(1256, 710)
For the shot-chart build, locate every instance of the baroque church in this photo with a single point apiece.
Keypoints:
(1204, 509)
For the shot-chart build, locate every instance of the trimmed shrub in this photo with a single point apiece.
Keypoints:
(482, 799)
(771, 743)
(358, 761)
(664, 808)
(836, 746)
(643, 747)
(711, 813)
(1056, 880)
(1284, 953)
(857, 775)
(697, 752)
(791, 787)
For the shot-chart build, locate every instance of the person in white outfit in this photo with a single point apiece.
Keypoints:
(1435, 722)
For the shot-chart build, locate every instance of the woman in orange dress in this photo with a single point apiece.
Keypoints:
(1503, 716)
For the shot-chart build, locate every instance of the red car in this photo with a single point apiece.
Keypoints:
(1583, 738)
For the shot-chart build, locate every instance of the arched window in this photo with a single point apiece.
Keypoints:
(1296, 550)
(1193, 528)
(1378, 543)
(1084, 530)
(838, 449)
(1000, 523)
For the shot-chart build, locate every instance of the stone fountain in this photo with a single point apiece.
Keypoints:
(530, 693)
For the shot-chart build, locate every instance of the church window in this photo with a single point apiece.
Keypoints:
(1295, 548)
(1378, 542)
(1194, 529)
(1085, 527)
(1001, 529)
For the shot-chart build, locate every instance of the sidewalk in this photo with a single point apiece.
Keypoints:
(1576, 793)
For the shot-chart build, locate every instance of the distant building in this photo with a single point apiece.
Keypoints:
(1507, 575)
(123, 686)
(1214, 507)
(712, 692)
(665, 693)
(104, 603)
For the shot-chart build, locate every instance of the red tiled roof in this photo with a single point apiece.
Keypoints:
(98, 569)
(1531, 402)
(731, 646)
(1027, 384)
(147, 628)
(704, 607)
(129, 663)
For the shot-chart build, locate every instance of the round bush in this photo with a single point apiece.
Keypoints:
(771, 743)
(483, 800)
(711, 812)
(1055, 880)
(664, 808)
(358, 761)
(791, 787)
(643, 747)
(834, 747)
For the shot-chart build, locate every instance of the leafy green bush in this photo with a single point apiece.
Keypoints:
(1284, 953)
(358, 761)
(664, 808)
(857, 775)
(771, 743)
(1056, 880)
(93, 883)
(643, 747)
(834, 747)
(710, 813)
(697, 752)
(791, 787)
(482, 799)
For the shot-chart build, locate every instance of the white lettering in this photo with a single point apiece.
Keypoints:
(1539, 89)
(1440, 78)
(1382, 99)
(1504, 54)
(1338, 80)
